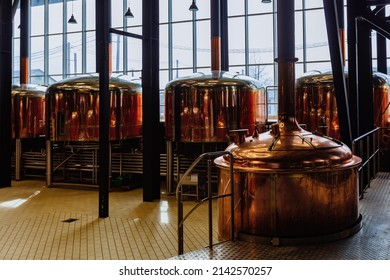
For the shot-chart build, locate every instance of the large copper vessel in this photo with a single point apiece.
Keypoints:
(73, 109)
(28, 111)
(317, 109)
(291, 185)
(205, 107)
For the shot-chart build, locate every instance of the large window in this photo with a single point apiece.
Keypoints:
(60, 49)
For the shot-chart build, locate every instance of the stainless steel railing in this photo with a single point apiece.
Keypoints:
(181, 219)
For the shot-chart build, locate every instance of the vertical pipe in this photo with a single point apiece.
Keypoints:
(49, 162)
(210, 204)
(215, 35)
(5, 91)
(286, 61)
(150, 100)
(102, 51)
(180, 232)
(24, 40)
(18, 158)
(340, 17)
(224, 36)
(232, 224)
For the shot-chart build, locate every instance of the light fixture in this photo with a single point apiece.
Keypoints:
(266, 1)
(128, 13)
(72, 20)
(193, 7)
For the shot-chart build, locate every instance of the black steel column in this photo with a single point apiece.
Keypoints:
(224, 36)
(335, 49)
(5, 91)
(24, 40)
(381, 47)
(364, 78)
(352, 12)
(103, 22)
(150, 100)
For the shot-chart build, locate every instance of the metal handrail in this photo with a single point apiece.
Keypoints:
(369, 155)
(209, 198)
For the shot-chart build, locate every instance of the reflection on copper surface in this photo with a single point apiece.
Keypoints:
(204, 108)
(73, 109)
(317, 108)
(28, 111)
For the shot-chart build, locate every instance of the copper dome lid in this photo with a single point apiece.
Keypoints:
(289, 151)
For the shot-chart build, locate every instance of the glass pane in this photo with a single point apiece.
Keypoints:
(74, 54)
(180, 10)
(163, 11)
(37, 56)
(16, 24)
(37, 20)
(236, 41)
(55, 17)
(318, 66)
(164, 79)
(54, 78)
(91, 52)
(317, 39)
(238, 70)
(203, 44)
(117, 52)
(16, 59)
(236, 7)
(314, 4)
(90, 14)
(117, 13)
(74, 8)
(164, 46)
(55, 54)
(263, 73)
(182, 44)
(37, 80)
(204, 9)
(298, 4)
(134, 52)
(299, 36)
(261, 40)
(136, 9)
(256, 6)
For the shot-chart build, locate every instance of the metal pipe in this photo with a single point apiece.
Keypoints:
(49, 163)
(215, 20)
(24, 40)
(286, 63)
(210, 204)
(18, 158)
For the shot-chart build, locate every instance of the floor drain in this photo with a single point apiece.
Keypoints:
(70, 220)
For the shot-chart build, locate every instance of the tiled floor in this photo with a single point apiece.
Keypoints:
(35, 225)
(62, 223)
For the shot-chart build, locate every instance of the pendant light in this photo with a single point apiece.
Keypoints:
(72, 20)
(193, 7)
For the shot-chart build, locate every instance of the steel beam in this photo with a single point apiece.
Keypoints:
(150, 100)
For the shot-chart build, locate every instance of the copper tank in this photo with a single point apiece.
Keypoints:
(205, 107)
(317, 109)
(73, 109)
(28, 111)
(290, 184)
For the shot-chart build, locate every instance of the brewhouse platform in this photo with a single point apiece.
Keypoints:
(39, 223)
